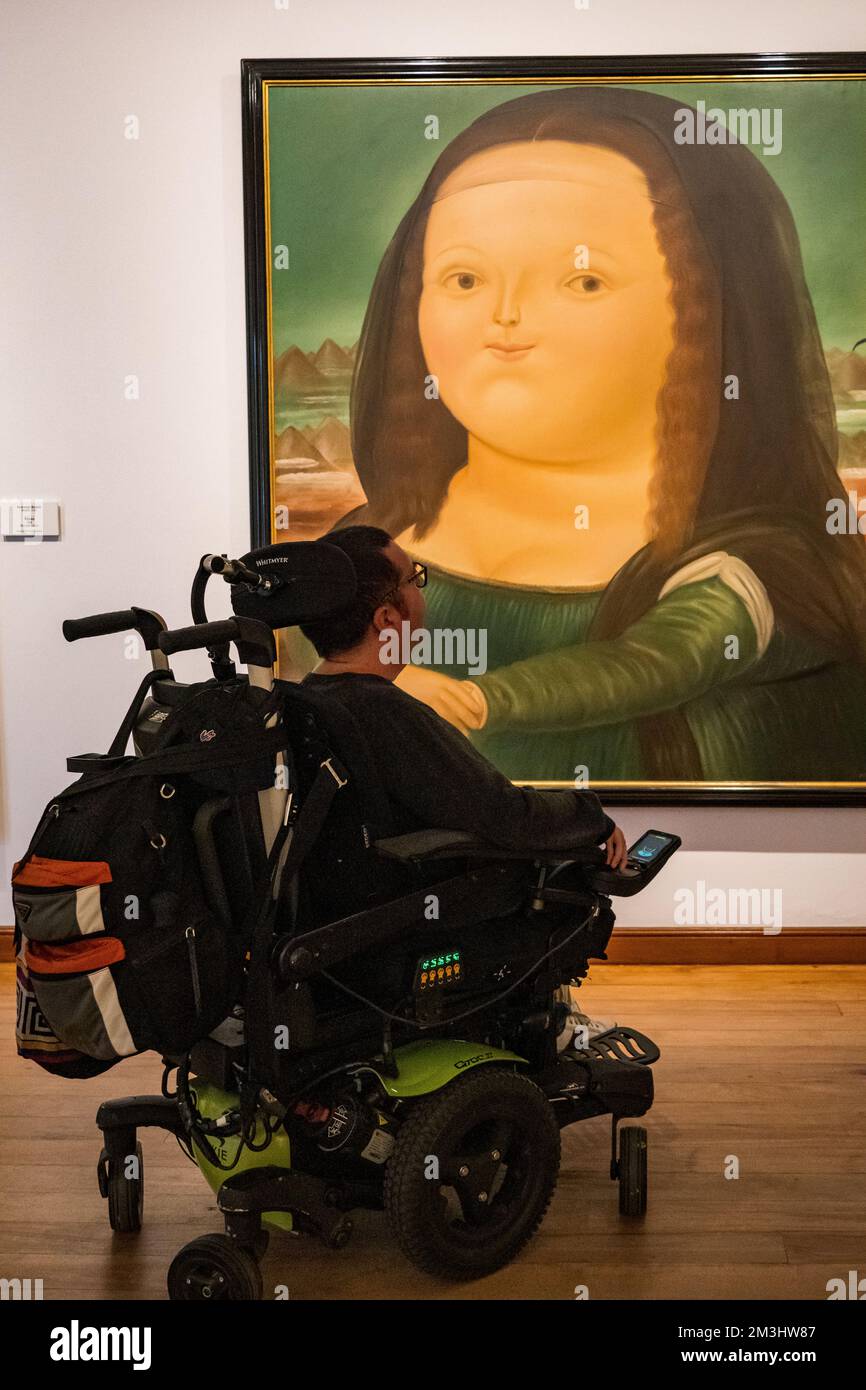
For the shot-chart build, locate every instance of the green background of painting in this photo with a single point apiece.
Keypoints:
(346, 162)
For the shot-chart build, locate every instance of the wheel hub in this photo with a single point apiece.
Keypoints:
(206, 1283)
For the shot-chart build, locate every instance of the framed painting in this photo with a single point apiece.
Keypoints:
(587, 337)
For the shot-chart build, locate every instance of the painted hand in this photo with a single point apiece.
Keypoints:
(460, 702)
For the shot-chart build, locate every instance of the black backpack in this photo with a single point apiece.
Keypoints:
(118, 947)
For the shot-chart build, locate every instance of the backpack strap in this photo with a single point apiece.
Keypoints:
(329, 779)
(121, 738)
(343, 731)
(187, 759)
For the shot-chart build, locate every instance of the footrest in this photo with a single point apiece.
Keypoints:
(621, 1045)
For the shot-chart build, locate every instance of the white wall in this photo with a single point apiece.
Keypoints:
(126, 257)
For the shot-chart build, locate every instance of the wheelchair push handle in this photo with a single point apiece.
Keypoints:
(142, 620)
(254, 640)
(186, 639)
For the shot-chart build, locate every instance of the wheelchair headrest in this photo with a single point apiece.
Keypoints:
(312, 578)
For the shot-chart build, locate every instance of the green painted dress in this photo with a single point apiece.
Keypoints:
(767, 706)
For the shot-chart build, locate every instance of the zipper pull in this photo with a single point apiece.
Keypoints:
(193, 964)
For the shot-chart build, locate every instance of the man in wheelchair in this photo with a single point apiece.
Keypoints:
(430, 774)
(405, 931)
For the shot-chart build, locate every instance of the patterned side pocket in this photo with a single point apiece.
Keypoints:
(34, 1037)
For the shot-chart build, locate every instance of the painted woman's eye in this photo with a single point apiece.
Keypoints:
(463, 280)
(587, 284)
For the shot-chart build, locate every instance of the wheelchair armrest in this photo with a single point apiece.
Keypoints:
(419, 845)
(431, 844)
(481, 895)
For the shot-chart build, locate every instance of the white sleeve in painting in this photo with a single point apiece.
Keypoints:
(741, 579)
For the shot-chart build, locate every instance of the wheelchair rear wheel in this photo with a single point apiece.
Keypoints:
(472, 1173)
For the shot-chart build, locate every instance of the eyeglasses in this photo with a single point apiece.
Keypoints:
(418, 577)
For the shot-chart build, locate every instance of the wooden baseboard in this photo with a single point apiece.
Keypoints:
(737, 946)
(705, 946)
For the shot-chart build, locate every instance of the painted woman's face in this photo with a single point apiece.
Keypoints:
(544, 312)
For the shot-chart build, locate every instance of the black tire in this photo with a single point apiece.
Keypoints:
(212, 1268)
(126, 1197)
(632, 1170)
(447, 1228)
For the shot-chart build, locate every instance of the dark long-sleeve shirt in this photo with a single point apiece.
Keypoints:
(435, 779)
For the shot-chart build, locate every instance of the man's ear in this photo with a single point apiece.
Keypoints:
(386, 616)
(390, 614)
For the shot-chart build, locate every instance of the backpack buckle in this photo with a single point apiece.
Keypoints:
(340, 781)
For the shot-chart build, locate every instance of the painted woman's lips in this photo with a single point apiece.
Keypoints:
(509, 351)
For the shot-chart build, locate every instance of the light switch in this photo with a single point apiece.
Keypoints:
(30, 518)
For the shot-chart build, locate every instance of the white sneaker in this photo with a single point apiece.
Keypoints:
(578, 1029)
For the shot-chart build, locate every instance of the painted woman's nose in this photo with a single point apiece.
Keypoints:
(507, 312)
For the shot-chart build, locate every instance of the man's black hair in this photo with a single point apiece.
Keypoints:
(344, 629)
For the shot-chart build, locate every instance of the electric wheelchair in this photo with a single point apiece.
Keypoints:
(403, 1039)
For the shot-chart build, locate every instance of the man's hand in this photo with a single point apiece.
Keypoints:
(616, 849)
(459, 702)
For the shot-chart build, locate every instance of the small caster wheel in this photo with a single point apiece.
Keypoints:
(214, 1267)
(126, 1195)
(341, 1235)
(632, 1170)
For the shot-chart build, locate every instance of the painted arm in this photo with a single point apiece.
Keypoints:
(677, 651)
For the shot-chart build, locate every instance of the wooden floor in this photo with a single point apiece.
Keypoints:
(763, 1063)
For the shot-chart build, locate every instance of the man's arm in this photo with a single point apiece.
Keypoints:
(432, 770)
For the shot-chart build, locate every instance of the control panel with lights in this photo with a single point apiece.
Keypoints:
(438, 972)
